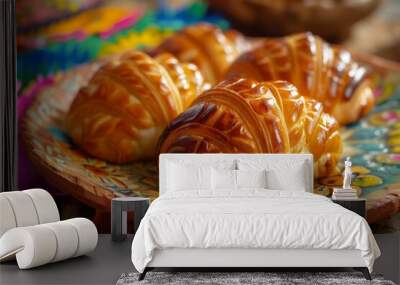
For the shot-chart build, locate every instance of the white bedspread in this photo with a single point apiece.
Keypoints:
(250, 219)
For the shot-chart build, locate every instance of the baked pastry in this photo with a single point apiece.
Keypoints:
(207, 46)
(245, 116)
(120, 114)
(319, 70)
(331, 19)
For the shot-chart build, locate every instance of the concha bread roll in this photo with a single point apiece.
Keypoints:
(318, 70)
(207, 46)
(120, 114)
(246, 116)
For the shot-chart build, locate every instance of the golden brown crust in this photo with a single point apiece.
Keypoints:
(323, 139)
(319, 71)
(205, 45)
(186, 77)
(245, 116)
(120, 114)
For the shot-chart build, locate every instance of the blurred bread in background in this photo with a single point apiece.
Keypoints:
(330, 19)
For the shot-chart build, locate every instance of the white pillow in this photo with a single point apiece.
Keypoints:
(282, 174)
(223, 179)
(281, 180)
(251, 178)
(188, 177)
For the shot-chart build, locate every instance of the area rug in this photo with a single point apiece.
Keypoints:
(270, 278)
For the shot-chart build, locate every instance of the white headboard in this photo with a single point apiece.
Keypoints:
(211, 159)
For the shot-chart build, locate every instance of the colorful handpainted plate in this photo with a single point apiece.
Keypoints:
(373, 143)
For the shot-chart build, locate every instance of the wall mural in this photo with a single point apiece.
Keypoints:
(372, 142)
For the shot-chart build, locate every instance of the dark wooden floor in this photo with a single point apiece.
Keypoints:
(103, 266)
(110, 259)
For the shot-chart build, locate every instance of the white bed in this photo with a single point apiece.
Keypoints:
(202, 226)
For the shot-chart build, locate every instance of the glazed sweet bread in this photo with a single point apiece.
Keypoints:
(207, 46)
(319, 71)
(120, 114)
(245, 116)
